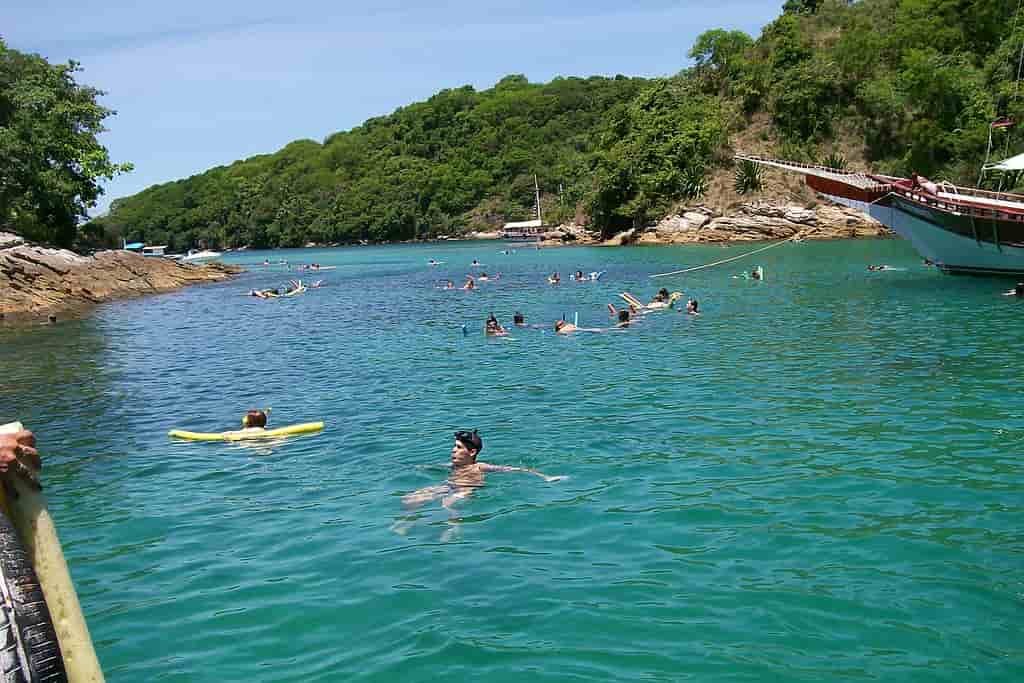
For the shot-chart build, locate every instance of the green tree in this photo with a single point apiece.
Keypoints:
(50, 160)
(719, 55)
(658, 144)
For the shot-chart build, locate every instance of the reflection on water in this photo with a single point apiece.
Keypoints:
(816, 478)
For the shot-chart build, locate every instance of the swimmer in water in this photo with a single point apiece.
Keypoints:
(554, 278)
(631, 309)
(493, 328)
(518, 319)
(255, 419)
(466, 474)
(470, 284)
(482, 277)
(564, 327)
(661, 301)
(448, 284)
(692, 307)
(1017, 291)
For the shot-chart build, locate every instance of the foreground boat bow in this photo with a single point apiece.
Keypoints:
(959, 229)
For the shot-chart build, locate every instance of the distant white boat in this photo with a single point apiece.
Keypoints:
(194, 256)
(520, 231)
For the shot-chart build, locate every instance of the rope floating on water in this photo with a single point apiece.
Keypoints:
(733, 258)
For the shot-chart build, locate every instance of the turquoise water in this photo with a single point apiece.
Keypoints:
(817, 479)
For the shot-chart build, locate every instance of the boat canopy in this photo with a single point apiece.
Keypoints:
(1012, 164)
(524, 224)
(134, 246)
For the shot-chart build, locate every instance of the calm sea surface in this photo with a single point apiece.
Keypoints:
(819, 478)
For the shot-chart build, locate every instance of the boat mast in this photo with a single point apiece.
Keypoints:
(536, 192)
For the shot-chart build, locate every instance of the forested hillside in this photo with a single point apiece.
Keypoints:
(909, 84)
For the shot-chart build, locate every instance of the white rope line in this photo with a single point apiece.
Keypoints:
(734, 258)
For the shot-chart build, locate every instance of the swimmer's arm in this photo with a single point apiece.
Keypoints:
(487, 467)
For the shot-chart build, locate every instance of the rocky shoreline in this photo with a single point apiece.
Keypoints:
(754, 221)
(38, 282)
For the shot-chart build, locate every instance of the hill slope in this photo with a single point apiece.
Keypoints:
(898, 85)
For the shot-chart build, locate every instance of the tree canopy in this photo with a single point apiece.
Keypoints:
(50, 160)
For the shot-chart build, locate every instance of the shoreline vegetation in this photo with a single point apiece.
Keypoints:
(884, 86)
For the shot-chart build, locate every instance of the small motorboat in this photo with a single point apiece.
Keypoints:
(195, 256)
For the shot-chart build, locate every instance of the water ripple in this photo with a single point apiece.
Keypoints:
(816, 479)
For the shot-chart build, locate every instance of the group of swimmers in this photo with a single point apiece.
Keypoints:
(623, 317)
(294, 287)
(471, 281)
(578, 276)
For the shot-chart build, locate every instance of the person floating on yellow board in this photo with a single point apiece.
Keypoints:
(255, 419)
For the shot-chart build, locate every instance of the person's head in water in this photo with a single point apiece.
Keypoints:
(692, 306)
(518, 318)
(255, 418)
(624, 316)
(466, 447)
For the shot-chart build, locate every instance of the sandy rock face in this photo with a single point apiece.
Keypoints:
(762, 221)
(569, 233)
(37, 281)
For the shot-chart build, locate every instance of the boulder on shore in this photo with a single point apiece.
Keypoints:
(761, 221)
(38, 281)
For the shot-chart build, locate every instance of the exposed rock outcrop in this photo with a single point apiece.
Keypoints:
(762, 221)
(37, 281)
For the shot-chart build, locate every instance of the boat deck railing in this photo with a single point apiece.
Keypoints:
(857, 179)
(969, 201)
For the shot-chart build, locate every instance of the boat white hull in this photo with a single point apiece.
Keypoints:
(952, 252)
(201, 257)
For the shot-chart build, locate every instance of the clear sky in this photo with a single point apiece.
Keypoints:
(200, 84)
